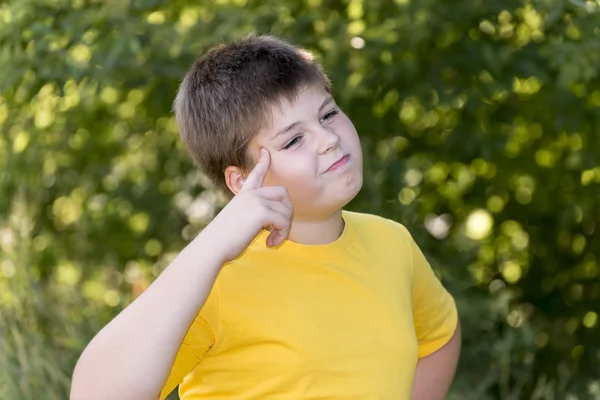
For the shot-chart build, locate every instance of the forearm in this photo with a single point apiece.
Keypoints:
(131, 357)
(435, 372)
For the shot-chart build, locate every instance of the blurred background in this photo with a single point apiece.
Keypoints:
(480, 122)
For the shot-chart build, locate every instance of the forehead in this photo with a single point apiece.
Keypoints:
(291, 109)
(305, 99)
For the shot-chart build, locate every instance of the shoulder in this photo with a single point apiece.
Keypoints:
(377, 232)
(370, 222)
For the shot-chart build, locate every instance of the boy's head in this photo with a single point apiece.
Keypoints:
(238, 96)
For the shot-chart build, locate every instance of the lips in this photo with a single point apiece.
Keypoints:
(341, 161)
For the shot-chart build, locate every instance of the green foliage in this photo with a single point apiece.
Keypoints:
(479, 121)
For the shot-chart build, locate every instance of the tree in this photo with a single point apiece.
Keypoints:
(479, 123)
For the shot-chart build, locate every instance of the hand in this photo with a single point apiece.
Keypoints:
(252, 209)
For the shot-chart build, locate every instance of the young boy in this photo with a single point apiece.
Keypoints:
(283, 295)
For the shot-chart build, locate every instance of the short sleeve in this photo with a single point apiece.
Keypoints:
(434, 311)
(196, 343)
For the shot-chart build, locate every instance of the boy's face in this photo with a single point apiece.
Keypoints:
(315, 153)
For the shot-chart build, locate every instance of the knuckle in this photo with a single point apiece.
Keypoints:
(257, 201)
(263, 215)
(259, 192)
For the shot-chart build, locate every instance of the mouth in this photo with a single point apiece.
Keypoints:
(338, 164)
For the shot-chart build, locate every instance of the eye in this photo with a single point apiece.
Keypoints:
(293, 142)
(329, 115)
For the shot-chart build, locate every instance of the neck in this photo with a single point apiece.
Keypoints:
(314, 232)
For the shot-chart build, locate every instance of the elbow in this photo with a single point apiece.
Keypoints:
(91, 388)
(77, 391)
(86, 385)
(80, 390)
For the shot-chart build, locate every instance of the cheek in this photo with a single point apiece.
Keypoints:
(292, 171)
(346, 128)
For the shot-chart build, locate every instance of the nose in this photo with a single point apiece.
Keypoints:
(329, 140)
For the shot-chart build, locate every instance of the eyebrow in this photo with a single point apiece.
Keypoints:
(295, 124)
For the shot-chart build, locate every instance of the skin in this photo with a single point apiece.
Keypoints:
(131, 357)
(290, 192)
(321, 135)
(435, 372)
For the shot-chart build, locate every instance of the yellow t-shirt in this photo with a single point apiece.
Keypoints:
(345, 320)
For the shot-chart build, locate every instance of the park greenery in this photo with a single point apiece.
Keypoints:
(480, 123)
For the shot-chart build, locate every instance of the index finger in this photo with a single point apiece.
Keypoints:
(257, 175)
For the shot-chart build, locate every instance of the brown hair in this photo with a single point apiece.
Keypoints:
(227, 95)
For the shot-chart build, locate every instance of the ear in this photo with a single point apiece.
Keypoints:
(234, 178)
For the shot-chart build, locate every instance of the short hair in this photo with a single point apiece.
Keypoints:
(227, 95)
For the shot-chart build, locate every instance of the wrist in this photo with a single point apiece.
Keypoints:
(210, 248)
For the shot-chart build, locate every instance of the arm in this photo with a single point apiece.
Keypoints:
(435, 372)
(437, 328)
(131, 357)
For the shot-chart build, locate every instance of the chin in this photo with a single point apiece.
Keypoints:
(344, 197)
(353, 193)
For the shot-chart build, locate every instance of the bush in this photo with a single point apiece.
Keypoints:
(479, 123)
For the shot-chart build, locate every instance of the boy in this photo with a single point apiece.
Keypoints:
(283, 295)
